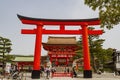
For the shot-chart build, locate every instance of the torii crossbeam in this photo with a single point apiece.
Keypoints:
(39, 31)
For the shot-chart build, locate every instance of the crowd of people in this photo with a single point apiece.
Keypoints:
(73, 71)
(11, 71)
(47, 71)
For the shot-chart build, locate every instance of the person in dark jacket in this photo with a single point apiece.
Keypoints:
(74, 72)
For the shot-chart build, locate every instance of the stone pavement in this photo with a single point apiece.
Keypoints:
(106, 76)
(85, 79)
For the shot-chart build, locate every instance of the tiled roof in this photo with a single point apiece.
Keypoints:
(61, 40)
(27, 58)
(22, 58)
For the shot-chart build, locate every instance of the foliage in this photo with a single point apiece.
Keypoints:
(95, 50)
(79, 51)
(5, 47)
(7, 58)
(109, 11)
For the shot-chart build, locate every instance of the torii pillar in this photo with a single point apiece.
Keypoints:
(37, 53)
(84, 23)
(87, 68)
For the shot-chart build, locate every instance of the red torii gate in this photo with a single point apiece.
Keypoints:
(84, 23)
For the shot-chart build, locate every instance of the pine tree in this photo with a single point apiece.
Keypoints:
(5, 47)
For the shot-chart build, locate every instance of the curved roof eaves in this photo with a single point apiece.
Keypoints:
(65, 20)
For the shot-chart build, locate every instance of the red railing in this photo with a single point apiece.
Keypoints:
(62, 74)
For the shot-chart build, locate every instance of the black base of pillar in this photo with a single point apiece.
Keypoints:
(35, 74)
(87, 74)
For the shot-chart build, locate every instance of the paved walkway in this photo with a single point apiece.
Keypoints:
(85, 79)
(106, 76)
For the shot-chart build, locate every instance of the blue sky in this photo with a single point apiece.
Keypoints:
(10, 25)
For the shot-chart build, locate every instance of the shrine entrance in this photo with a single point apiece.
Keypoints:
(63, 62)
(61, 50)
(62, 23)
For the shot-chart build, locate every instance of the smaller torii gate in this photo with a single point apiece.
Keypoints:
(38, 31)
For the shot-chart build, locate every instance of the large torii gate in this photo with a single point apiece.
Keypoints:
(39, 31)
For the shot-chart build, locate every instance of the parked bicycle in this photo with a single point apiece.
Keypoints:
(15, 75)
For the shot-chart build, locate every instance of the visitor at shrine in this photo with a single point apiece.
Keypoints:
(29, 69)
(47, 70)
(99, 72)
(74, 72)
(68, 70)
(65, 70)
(53, 70)
(42, 71)
(13, 68)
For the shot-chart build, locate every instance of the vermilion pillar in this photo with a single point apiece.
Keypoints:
(37, 53)
(86, 54)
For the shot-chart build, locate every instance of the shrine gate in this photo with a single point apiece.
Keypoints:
(39, 31)
(61, 50)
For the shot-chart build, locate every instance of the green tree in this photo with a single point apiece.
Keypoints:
(5, 47)
(109, 11)
(79, 51)
(95, 45)
(95, 50)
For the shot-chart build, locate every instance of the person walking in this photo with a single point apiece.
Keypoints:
(65, 70)
(68, 70)
(74, 72)
(47, 72)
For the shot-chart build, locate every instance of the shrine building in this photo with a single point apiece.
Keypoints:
(61, 50)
